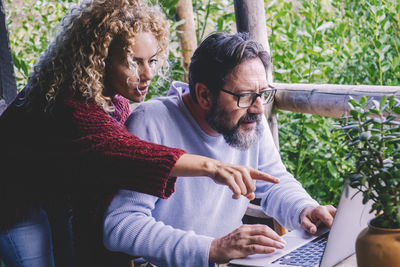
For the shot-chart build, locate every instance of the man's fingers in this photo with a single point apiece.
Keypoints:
(265, 241)
(257, 175)
(258, 249)
(308, 225)
(245, 240)
(260, 229)
(331, 210)
(325, 214)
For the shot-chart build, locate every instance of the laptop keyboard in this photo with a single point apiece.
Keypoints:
(309, 254)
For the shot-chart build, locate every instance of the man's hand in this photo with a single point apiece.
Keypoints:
(311, 217)
(244, 241)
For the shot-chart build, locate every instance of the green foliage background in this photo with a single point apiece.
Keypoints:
(312, 41)
(336, 42)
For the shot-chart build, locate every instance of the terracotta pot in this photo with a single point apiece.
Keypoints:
(378, 247)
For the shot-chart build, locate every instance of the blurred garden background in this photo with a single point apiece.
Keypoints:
(311, 41)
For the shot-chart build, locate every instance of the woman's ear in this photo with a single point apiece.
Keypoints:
(203, 95)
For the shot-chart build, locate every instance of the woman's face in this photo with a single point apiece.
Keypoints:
(126, 81)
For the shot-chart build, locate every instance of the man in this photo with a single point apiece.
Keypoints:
(221, 118)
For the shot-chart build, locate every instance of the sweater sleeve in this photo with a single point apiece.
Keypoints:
(130, 228)
(110, 155)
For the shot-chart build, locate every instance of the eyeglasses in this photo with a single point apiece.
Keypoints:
(246, 100)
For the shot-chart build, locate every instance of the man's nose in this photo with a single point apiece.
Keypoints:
(257, 107)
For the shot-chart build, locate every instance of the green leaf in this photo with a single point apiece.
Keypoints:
(355, 113)
(383, 101)
(363, 100)
(332, 169)
(375, 111)
(397, 110)
(392, 101)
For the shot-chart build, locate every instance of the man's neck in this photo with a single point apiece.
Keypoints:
(198, 114)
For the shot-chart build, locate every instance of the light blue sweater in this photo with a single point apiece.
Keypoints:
(178, 231)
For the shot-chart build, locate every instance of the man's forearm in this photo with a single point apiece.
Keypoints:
(130, 229)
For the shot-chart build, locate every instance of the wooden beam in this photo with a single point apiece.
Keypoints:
(8, 86)
(326, 99)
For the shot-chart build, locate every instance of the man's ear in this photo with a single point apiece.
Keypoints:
(203, 95)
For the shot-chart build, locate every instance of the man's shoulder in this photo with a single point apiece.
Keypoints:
(167, 103)
(178, 88)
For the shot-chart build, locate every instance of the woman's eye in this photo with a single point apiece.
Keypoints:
(153, 61)
(134, 63)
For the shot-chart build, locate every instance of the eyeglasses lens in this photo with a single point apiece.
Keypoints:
(246, 100)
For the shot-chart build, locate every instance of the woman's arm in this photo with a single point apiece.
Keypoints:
(104, 153)
(124, 160)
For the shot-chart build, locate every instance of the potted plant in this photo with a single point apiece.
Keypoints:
(372, 134)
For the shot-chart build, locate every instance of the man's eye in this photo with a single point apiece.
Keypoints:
(247, 96)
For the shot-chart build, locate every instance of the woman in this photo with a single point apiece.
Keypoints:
(63, 139)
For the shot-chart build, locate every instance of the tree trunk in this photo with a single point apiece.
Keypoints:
(8, 87)
(187, 35)
(250, 17)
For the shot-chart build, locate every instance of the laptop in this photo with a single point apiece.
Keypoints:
(327, 247)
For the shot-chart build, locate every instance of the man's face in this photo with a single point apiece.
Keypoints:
(241, 127)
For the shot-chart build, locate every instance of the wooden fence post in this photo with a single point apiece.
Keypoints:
(8, 86)
(187, 37)
(250, 17)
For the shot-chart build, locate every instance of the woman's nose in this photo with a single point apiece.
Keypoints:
(146, 72)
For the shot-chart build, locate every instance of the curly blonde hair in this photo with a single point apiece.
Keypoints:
(76, 60)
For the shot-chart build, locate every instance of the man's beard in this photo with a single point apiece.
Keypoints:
(218, 119)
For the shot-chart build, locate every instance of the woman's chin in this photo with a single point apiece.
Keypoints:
(138, 98)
